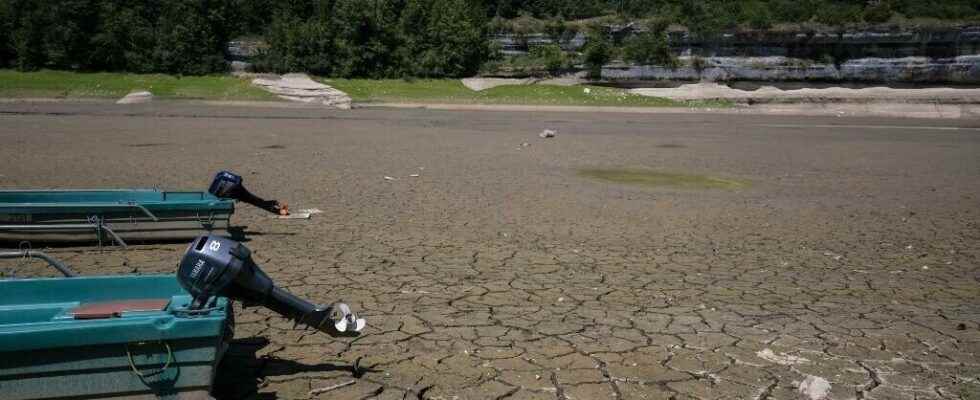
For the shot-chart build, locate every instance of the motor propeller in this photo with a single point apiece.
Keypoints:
(214, 265)
(228, 185)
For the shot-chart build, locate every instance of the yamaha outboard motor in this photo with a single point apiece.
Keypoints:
(214, 265)
(228, 185)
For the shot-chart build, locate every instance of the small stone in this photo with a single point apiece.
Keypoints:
(414, 175)
(547, 134)
(814, 388)
(961, 326)
(388, 178)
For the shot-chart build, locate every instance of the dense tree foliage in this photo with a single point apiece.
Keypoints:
(173, 36)
(357, 38)
(597, 51)
(387, 38)
(730, 10)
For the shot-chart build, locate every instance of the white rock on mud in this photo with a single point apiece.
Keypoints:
(299, 87)
(814, 388)
(136, 98)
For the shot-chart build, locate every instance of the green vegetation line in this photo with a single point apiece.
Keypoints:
(75, 85)
(62, 84)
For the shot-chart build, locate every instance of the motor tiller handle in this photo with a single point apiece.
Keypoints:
(228, 185)
(215, 265)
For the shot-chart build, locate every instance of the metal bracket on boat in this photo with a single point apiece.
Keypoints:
(99, 224)
(28, 253)
(145, 210)
(207, 223)
(132, 364)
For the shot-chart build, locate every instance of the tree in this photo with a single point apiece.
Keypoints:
(551, 57)
(838, 13)
(27, 35)
(442, 38)
(300, 45)
(757, 14)
(649, 48)
(123, 39)
(6, 27)
(367, 38)
(597, 51)
(190, 38)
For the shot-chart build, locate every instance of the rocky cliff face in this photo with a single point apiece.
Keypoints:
(962, 69)
(925, 56)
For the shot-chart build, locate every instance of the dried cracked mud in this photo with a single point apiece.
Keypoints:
(500, 273)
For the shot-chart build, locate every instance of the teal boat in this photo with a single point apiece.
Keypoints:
(139, 336)
(101, 337)
(110, 215)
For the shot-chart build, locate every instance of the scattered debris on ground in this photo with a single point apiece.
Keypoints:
(300, 214)
(781, 358)
(331, 387)
(140, 97)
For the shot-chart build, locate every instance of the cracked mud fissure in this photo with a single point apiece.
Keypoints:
(499, 272)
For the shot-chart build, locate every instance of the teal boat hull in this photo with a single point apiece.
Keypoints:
(104, 215)
(47, 353)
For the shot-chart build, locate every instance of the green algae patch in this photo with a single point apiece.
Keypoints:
(661, 179)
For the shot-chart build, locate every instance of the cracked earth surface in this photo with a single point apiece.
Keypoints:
(500, 273)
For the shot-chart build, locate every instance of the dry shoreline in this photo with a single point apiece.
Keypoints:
(850, 109)
(502, 270)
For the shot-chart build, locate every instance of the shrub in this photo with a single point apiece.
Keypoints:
(597, 52)
(878, 12)
(550, 57)
(649, 48)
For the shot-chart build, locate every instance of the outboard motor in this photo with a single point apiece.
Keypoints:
(228, 185)
(215, 265)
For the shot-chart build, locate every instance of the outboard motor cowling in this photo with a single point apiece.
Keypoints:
(228, 185)
(215, 265)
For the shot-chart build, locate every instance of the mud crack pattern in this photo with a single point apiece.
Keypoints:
(500, 273)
